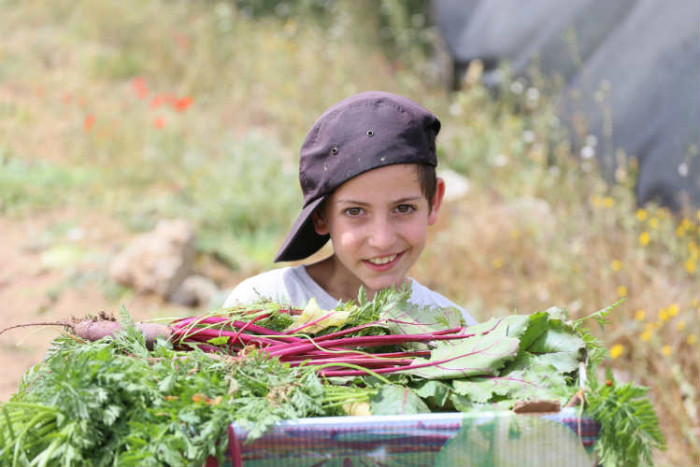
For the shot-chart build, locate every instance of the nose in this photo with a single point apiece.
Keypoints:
(382, 234)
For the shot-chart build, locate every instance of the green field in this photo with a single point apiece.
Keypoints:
(138, 111)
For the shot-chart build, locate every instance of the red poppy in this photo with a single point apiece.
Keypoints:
(89, 122)
(182, 104)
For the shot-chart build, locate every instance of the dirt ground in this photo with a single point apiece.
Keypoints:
(36, 284)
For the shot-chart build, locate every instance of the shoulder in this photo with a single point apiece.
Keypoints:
(423, 296)
(266, 285)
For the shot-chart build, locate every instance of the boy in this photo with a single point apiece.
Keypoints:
(367, 172)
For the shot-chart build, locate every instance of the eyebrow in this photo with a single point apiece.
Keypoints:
(362, 203)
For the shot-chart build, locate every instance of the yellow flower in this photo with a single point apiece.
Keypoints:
(673, 310)
(698, 214)
(616, 265)
(644, 238)
(616, 350)
(663, 315)
(680, 231)
(691, 266)
(622, 291)
(691, 339)
(666, 350)
(646, 335)
(639, 315)
(680, 325)
(653, 223)
(641, 215)
(608, 202)
(686, 224)
(497, 263)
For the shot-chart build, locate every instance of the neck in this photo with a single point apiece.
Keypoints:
(333, 278)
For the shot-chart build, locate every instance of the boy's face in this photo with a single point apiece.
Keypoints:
(378, 223)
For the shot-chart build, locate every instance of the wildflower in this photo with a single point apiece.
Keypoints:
(616, 265)
(497, 263)
(666, 350)
(646, 335)
(673, 310)
(698, 214)
(616, 350)
(159, 122)
(622, 291)
(644, 238)
(680, 325)
(690, 266)
(653, 223)
(156, 102)
(686, 223)
(680, 231)
(182, 104)
(171, 398)
(691, 339)
(89, 122)
(608, 202)
(139, 87)
(663, 315)
(641, 215)
(199, 397)
(639, 315)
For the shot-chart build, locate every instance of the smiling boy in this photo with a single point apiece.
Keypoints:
(367, 172)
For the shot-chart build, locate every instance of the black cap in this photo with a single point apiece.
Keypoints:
(363, 132)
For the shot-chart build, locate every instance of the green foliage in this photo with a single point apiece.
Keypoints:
(114, 402)
(629, 426)
(30, 186)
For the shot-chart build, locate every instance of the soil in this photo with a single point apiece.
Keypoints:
(39, 283)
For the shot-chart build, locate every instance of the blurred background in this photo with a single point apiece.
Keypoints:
(148, 160)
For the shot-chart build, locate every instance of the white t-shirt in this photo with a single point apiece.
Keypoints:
(294, 287)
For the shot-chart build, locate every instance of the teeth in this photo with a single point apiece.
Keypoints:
(384, 260)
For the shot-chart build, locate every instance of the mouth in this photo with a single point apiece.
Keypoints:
(382, 263)
(382, 260)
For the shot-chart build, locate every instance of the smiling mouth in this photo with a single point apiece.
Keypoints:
(382, 260)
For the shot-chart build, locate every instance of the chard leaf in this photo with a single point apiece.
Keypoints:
(436, 392)
(480, 355)
(563, 347)
(412, 319)
(528, 377)
(397, 400)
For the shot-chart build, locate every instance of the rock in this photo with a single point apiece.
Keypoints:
(158, 261)
(195, 291)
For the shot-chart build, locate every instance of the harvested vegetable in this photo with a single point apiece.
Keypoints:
(94, 400)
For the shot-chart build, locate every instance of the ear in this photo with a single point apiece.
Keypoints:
(320, 222)
(437, 201)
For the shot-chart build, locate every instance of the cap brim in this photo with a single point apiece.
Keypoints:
(302, 240)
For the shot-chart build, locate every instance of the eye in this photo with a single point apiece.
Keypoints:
(405, 208)
(353, 212)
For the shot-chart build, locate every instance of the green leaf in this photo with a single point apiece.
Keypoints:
(397, 400)
(475, 356)
(564, 348)
(220, 340)
(436, 392)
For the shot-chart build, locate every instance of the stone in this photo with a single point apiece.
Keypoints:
(157, 261)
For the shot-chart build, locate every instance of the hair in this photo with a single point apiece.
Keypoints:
(428, 181)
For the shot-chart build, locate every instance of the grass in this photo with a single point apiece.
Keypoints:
(152, 109)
